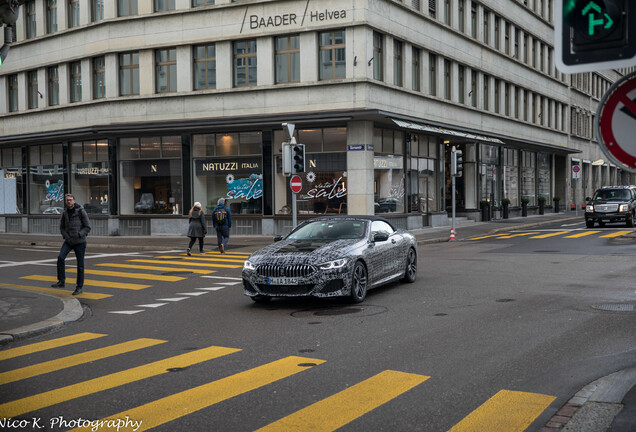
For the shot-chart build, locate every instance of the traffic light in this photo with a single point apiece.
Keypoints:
(457, 163)
(593, 35)
(298, 158)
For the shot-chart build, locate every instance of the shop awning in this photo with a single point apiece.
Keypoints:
(443, 131)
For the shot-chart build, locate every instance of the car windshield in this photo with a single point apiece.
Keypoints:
(612, 194)
(330, 230)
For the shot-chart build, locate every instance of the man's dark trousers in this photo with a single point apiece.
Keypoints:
(80, 252)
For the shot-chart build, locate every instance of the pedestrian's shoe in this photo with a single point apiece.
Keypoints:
(77, 291)
(221, 248)
(58, 284)
(202, 253)
(188, 252)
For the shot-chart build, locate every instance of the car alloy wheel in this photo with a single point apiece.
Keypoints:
(359, 283)
(411, 266)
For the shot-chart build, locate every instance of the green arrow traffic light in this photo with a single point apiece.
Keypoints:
(604, 21)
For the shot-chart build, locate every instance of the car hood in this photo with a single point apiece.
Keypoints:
(306, 251)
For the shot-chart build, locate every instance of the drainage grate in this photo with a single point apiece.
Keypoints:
(616, 307)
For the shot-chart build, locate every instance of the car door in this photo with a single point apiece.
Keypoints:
(381, 259)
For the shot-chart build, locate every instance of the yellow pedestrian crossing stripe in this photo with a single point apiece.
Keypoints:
(74, 360)
(508, 411)
(517, 235)
(57, 291)
(130, 275)
(91, 282)
(187, 259)
(562, 234)
(583, 234)
(486, 236)
(549, 235)
(344, 407)
(157, 268)
(616, 234)
(181, 263)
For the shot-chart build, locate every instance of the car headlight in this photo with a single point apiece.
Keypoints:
(623, 208)
(589, 208)
(247, 265)
(339, 263)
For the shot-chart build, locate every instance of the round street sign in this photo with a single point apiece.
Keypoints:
(616, 123)
(576, 169)
(296, 184)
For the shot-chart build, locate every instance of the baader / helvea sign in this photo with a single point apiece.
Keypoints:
(302, 15)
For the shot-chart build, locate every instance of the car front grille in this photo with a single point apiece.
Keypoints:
(282, 290)
(285, 271)
(606, 208)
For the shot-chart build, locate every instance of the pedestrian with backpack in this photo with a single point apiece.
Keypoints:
(222, 221)
(198, 227)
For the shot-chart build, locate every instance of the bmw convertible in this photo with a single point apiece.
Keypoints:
(332, 256)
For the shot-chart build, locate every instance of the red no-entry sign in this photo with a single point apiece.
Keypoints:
(296, 184)
(616, 119)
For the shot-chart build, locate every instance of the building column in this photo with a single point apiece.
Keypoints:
(22, 94)
(4, 101)
(454, 82)
(407, 60)
(87, 80)
(85, 12)
(110, 9)
(265, 66)
(111, 75)
(360, 169)
(309, 59)
(147, 71)
(40, 17)
(224, 62)
(62, 15)
(184, 74)
(439, 80)
(63, 74)
(43, 88)
(145, 7)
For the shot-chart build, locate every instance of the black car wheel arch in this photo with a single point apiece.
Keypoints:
(359, 282)
(411, 266)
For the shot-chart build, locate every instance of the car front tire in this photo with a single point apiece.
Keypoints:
(589, 223)
(359, 282)
(411, 266)
(630, 220)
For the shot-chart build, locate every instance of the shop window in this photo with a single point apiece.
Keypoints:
(12, 180)
(528, 179)
(150, 176)
(89, 175)
(511, 176)
(389, 175)
(46, 179)
(489, 173)
(229, 166)
(332, 59)
(287, 58)
(543, 176)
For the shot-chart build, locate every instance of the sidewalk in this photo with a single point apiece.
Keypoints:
(592, 409)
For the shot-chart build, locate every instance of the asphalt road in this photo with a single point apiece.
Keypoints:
(492, 326)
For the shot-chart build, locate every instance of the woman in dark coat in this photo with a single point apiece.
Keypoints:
(198, 228)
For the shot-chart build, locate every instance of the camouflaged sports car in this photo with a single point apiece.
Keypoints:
(332, 256)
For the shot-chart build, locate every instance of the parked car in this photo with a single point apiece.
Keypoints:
(611, 204)
(332, 256)
(53, 210)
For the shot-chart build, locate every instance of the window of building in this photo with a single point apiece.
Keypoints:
(497, 93)
(32, 89)
(205, 67)
(389, 176)
(230, 166)
(12, 84)
(332, 55)
(486, 95)
(497, 23)
(99, 78)
(53, 85)
(196, 3)
(150, 176)
(415, 68)
(287, 59)
(46, 179)
(473, 20)
(526, 105)
(31, 27)
(461, 84)
(12, 181)
(76, 81)
(245, 63)
(97, 10)
(129, 74)
(507, 99)
(515, 54)
(432, 76)
(447, 12)
(164, 5)
(431, 8)
(507, 38)
(89, 175)
(528, 165)
(166, 70)
(51, 16)
(486, 29)
(460, 23)
(488, 169)
(378, 57)
(73, 13)
(127, 7)
(447, 79)
(511, 176)
(397, 63)
(422, 174)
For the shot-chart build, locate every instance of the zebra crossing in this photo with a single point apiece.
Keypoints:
(505, 411)
(138, 273)
(566, 234)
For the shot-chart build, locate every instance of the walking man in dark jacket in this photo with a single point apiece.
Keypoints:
(222, 221)
(74, 227)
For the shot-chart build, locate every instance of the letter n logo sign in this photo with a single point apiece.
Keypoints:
(153, 168)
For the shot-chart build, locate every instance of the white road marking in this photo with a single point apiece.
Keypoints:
(126, 312)
(212, 288)
(192, 293)
(152, 305)
(222, 277)
(173, 299)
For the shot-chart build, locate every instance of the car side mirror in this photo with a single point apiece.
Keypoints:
(588, 199)
(278, 238)
(380, 237)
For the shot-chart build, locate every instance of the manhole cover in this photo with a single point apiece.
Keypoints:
(616, 307)
(342, 311)
(366, 310)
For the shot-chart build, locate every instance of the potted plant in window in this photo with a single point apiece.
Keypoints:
(542, 201)
(485, 210)
(524, 206)
(504, 205)
(556, 200)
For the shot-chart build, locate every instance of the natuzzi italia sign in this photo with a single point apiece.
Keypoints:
(295, 15)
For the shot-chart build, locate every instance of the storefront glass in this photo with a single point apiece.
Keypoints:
(89, 175)
(46, 179)
(423, 174)
(488, 170)
(150, 175)
(324, 182)
(229, 166)
(389, 175)
(12, 180)
(543, 176)
(511, 176)
(528, 166)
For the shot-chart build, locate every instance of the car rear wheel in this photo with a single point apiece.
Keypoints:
(260, 299)
(411, 266)
(359, 283)
(589, 223)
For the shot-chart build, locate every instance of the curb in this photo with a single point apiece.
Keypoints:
(72, 311)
